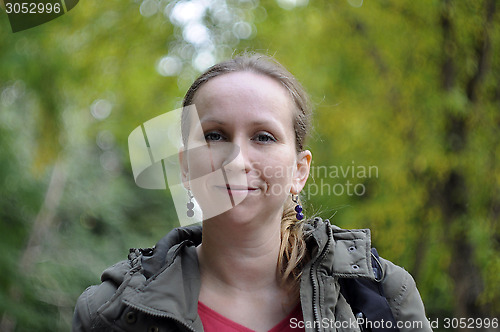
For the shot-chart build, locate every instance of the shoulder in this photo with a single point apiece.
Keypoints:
(85, 317)
(141, 265)
(351, 258)
(396, 280)
(404, 299)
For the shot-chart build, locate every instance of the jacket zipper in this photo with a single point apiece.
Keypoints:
(314, 281)
(156, 314)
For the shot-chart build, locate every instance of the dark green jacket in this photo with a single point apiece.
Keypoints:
(157, 289)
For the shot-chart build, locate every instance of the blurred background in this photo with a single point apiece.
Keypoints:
(406, 136)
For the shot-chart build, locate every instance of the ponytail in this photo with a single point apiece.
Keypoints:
(293, 253)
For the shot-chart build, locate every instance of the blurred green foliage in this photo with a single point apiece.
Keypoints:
(410, 88)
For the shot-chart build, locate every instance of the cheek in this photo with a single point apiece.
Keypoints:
(199, 163)
(203, 179)
(205, 159)
(279, 172)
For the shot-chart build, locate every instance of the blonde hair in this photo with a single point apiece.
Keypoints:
(293, 252)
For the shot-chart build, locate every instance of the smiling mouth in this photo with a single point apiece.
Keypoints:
(237, 188)
(237, 192)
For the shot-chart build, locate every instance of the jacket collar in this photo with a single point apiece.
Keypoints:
(164, 282)
(347, 251)
(162, 253)
(351, 248)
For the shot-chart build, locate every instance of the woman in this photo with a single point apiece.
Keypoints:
(258, 265)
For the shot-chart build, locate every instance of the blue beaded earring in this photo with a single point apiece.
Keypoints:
(298, 207)
(190, 205)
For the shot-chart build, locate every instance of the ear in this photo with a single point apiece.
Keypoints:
(184, 167)
(301, 175)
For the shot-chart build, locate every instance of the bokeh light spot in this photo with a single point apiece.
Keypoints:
(149, 8)
(291, 4)
(101, 109)
(355, 3)
(169, 66)
(203, 61)
(242, 30)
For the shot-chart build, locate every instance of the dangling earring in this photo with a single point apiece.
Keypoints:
(298, 207)
(190, 205)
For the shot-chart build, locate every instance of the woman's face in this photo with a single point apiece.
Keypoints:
(241, 156)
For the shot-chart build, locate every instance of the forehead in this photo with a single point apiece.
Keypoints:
(249, 91)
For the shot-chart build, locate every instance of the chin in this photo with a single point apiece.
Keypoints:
(236, 215)
(243, 215)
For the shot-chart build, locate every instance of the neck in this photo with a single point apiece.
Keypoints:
(240, 257)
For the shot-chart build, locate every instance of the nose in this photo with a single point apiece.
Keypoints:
(236, 160)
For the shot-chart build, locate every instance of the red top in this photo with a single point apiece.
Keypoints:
(215, 322)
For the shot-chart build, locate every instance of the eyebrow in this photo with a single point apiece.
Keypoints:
(255, 122)
(210, 119)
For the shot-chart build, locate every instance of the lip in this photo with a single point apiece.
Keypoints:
(235, 188)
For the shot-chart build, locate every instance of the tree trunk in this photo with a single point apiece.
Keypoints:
(453, 196)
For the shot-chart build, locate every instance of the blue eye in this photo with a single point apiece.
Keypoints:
(265, 138)
(213, 137)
